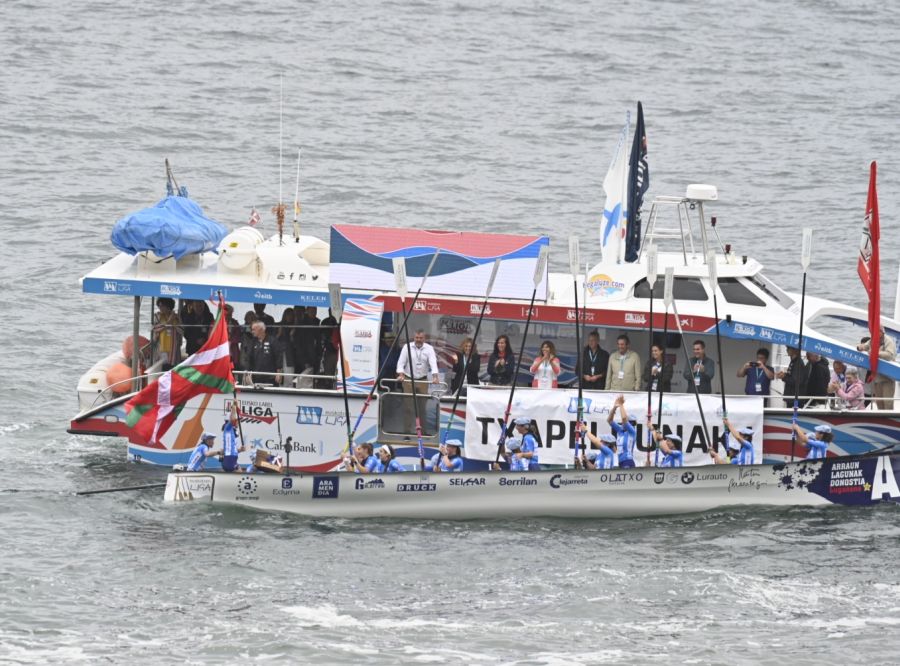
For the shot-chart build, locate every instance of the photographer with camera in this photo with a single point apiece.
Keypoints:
(759, 373)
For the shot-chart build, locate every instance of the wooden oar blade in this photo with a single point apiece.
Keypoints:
(806, 248)
(540, 269)
(713, 274)
(337, 301)
(668, 286)
(651, 266)
(400, 276)
(494, 270)
(574, 255)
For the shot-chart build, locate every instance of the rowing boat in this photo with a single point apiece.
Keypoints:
(614, 493)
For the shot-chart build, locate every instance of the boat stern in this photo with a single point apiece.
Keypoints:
(189, 487)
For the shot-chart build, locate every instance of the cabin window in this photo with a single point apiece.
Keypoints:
(736, 292)
(683, 289)
(769, 288)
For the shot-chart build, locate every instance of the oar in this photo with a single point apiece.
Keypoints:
(805, 255)
(400, 280)
(337, 311)
(487, 295)
(687, 360)
(667, 299)
(651, 281)
(539, 270)
(365, 406)
(714, 287)
(574, 263)
(119, 490)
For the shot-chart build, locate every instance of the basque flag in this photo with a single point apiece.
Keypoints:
(868, 269)
(153, 411)
(638, 183)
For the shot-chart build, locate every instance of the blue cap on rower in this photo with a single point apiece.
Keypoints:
(514, 444)
(823, 428)
(632, 419)
(592, 455)
(746, 431)
(522, 421)
(454, 442)
(206, 436)
(607, 438)
(672, 437)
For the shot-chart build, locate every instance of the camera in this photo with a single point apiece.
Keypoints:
(753, 364)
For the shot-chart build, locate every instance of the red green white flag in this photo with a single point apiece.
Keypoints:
(153, 411)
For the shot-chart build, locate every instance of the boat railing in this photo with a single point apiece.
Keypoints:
(243, 379)
(436, 389)
(307, 381)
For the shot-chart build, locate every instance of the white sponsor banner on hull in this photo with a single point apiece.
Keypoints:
(553, 414)
(315, 422)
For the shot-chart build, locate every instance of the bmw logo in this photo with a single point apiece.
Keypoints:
(687, 477)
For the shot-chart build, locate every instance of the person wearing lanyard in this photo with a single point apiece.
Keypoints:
(701, 371)
(624, 370)
(464, 372)
(417, 360)
(658, 373)
(545, 367)
(594, 362)
(759, 373)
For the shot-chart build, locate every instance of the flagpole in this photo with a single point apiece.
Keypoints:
(297, 201)
(805, 255)
(539, 270)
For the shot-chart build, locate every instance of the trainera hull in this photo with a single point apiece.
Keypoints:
(617, 493)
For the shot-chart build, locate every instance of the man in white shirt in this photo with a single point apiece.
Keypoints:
(417, 360)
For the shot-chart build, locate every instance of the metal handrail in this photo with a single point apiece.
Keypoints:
(829, 402)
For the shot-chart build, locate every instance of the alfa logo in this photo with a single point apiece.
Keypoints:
(687, 478)
(247, 485)
(659, 477)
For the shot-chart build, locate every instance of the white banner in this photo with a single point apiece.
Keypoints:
(361, 336)
(553, 414)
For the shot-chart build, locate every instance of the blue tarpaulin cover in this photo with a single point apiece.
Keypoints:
(174, 227)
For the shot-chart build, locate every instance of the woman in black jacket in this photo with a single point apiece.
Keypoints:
(658, 373)
(463, 368)
(502, 363)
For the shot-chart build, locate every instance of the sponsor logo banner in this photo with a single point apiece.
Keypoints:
(554, 421)
(361, 322)
(325, 487)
